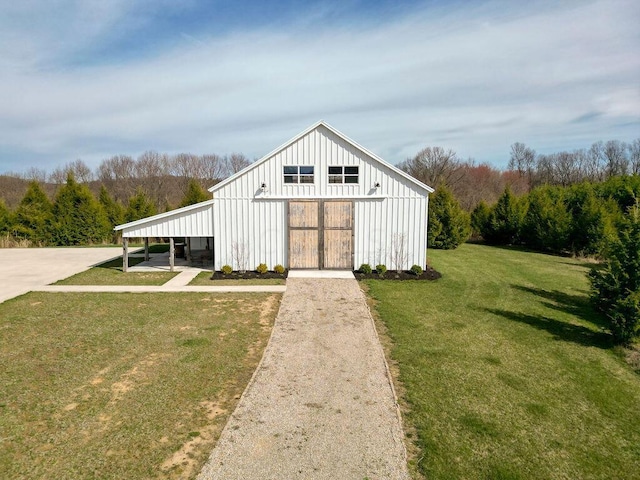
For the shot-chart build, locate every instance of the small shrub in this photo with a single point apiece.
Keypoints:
(262, 268)
(279, 269)
(416, 270)
(226, 269)
(365, 268)
(381, 269)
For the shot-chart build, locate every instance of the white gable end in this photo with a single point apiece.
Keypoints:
(320, 148)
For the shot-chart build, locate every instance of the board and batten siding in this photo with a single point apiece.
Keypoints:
(381, 227)
(389, 229)
(256, 228)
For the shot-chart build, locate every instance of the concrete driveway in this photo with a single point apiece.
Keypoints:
(23, 269)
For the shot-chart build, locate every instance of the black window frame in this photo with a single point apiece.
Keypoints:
(298, 174)
(343, 174)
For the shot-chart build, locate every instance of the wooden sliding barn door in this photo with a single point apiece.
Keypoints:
(303, 235)
(338, 235)
(320, 234)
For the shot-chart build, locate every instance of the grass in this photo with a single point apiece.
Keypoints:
(507, 373)
(204, 278)
(110, 273)
(123, 385)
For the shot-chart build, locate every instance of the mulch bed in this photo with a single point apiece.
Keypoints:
(428, 274)
(248, 275)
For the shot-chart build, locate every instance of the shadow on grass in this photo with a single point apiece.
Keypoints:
(560, 330)
(588, 264)
(578, 305)
(585, 264)
(116, 263)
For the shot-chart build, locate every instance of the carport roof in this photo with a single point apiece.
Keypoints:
(161, 216)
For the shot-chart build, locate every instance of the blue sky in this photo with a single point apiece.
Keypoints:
(90, 79)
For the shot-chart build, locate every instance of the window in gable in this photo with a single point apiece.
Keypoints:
(343, 174)
(298, 174)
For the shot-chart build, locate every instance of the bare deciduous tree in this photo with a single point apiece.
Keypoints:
(118, 174)
(615, 153)
(152, 172)
(81, 171)
(236, 162)
(214, 168)
(523, 159)
(435, 165)
(37, 174)
(186, 166)
(634, 157)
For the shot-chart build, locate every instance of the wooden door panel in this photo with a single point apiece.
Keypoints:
(338, 215)
(303, 249)
(337, 249)
(303, 214)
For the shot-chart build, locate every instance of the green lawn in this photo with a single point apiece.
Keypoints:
(123, 385)
(110, 273)
(204, 278)
(507, 373)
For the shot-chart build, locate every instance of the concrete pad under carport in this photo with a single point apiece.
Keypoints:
(26, 269)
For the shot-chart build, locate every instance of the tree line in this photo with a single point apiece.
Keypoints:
(470, 183)
(164, 178)
(75, 216)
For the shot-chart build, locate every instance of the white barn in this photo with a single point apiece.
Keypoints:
(319, 201)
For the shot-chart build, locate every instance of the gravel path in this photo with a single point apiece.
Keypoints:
(320, 405)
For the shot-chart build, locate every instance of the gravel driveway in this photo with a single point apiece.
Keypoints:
(320, 405)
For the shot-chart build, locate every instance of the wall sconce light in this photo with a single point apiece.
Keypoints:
(376, 185)
(263, 187)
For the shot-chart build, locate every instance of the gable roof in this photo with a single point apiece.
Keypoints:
(322, 123)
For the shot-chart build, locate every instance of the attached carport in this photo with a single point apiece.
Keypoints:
(187, 222)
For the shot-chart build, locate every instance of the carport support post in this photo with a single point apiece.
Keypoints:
(146, 249)
(125, 254)
(189, 250)
(172, 254)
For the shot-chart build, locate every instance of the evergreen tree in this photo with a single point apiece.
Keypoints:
(593, 221)
(616, 288)
(33, 216)
(480, 218)
(140, 206)
(547, 223)
(5, 218)
(623, 189)
(506, 219)
(113, 209)
(195, 194)
(78, 218)
(449, 225)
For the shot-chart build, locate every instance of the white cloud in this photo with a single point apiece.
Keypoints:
(475, 80)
